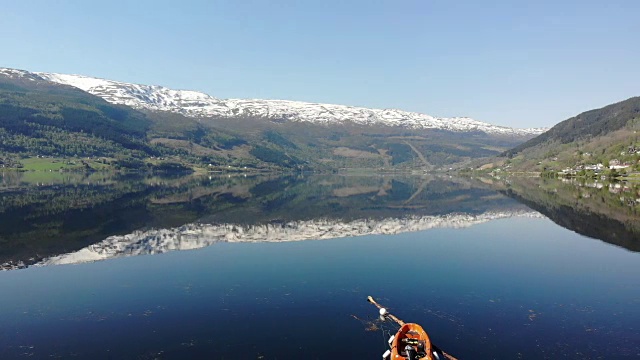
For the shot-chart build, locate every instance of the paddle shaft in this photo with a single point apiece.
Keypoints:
(390, 316)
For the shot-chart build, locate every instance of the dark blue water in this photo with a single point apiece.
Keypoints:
(505, 289)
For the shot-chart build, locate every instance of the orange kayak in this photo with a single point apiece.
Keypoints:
(410, 342)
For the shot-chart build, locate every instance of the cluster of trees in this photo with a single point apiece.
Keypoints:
(275, 156)
(53, 141)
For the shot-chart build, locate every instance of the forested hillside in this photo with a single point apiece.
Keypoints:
(587, 125)
(606, 136)
(42, 119)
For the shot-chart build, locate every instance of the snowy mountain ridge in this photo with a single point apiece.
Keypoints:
(200, 105)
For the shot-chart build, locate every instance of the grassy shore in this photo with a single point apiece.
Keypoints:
(57, 164)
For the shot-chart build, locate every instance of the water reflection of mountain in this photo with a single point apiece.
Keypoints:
(43, 220)
(194, 236)
(606, 211)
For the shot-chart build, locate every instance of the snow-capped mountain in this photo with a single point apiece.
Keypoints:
(200, 105)
(195, 236)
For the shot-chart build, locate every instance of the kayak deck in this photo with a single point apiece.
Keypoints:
(411, 342)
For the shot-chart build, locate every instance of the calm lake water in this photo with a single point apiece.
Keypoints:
(280, 267)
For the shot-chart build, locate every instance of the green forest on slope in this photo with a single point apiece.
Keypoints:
(72, 129)
(605, 135)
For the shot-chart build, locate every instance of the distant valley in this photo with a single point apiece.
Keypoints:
(76, 122)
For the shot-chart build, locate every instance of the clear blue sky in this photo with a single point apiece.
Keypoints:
(514, 63)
